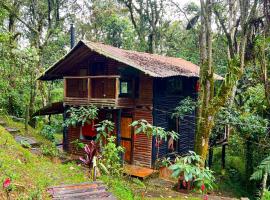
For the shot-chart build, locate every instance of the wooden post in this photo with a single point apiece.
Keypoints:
(117, 85)
(65, 130)
(118, 125)
(65, 87)
(89, 88)
(119, 113)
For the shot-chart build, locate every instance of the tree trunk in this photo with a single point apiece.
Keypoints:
(210, 157)
(204, 117)
(249, 162)
(223, 156)
(264, 184)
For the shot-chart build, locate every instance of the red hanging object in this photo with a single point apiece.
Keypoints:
(89, 129)
(197, 86)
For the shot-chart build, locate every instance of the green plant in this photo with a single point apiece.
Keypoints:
(163, 162)
(25, 144)
(104, 128)
(142, 126)
(185, 107)
(78, 144)
(80, 115)
(261, 173)
(266, 195)
(90, 157)
(49, 150)
(110, 157)
(188, 169)
(48, 132)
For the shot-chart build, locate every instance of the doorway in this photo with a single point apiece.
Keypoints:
(127, 138)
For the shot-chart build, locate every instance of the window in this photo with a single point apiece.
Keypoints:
(174, 86)
(125, 88)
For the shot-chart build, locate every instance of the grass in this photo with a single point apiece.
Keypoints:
(31, 174)
(35, 133)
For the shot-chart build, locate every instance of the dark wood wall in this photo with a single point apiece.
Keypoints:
(163, 106)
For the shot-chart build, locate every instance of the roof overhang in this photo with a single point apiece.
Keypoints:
(150, 64)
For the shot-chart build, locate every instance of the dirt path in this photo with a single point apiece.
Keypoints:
(160, 188)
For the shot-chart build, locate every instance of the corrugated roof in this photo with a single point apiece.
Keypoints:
(152, 64)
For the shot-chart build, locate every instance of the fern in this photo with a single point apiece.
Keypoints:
(264, 167)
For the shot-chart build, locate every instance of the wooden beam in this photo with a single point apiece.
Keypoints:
(117, 86)
(89, 88)
(92, 77)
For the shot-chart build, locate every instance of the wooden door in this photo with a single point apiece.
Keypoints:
(126, 138)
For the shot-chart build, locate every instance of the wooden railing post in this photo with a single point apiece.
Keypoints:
(89, 88)
(117, 91)
(117, 85)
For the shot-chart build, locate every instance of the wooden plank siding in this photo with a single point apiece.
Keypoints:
(142, 153)
(163, 106)
(139, 107)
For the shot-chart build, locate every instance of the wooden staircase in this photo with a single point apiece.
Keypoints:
(83, 191)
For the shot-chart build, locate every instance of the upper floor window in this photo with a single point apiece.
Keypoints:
(125, 88)
(174, 86)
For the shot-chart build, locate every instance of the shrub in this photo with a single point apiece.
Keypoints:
(104, 128)
(111, 157)
(48, 132)
(188, 169)
(266, 195)
(49, 150)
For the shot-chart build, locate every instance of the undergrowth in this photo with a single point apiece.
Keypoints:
(31, 174)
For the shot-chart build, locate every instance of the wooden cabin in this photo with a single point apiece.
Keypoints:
(126, 86)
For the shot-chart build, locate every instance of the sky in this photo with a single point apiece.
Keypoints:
(183, 2)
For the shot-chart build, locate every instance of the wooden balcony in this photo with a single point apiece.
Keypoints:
(102, 91)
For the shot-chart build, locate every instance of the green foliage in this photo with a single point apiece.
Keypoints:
(142, 126)
(263, 168)
(110, 157)
(119, 187)
(163, 162)
(48, 132)
(78, 144)
(81, 115)
(25, 144)
(266, 195)
(185, 107)
(104, 129)
(49, 150)
(190, 167)
(32, 174)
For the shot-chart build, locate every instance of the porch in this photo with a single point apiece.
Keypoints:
(101, 91)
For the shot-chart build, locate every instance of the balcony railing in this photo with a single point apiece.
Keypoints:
(98, 90)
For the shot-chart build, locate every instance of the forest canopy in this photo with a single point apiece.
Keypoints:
(230, 38)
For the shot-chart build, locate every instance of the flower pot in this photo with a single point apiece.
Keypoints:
(165, 173)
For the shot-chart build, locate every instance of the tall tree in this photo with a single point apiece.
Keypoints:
(146, 17)
(211, 103)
